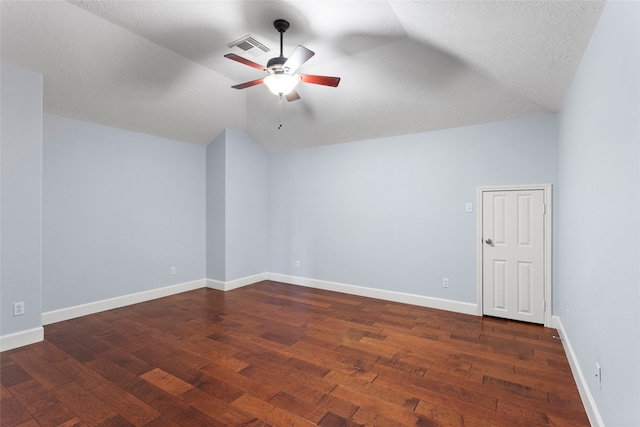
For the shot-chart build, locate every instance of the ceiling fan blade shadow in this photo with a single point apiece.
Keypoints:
(188, 39)
(354, 43)
(153, 73)
(299, 56)
(247, 84)
(308, 111)
(245, 61)
(259, 16)
(408, 60)
(320, 80)
(292, 96)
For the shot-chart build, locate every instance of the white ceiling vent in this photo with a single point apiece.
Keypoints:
(248, 44)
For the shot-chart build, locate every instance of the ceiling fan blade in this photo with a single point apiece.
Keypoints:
(292, 96)
(299, 56)
(247, 84)
(244, 61)
(320, 80)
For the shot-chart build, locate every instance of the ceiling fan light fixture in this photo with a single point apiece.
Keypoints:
(281, 84)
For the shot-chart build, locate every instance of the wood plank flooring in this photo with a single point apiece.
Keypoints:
(282, 355)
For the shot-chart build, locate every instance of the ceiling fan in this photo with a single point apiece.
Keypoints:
(282, 77)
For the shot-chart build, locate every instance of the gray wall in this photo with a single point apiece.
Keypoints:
(20, 198)
(390, 213)
(246, 206)
(216, 158)
(237, 201)
(120, 209)
(598, 289)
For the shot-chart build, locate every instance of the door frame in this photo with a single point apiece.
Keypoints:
(548, 242)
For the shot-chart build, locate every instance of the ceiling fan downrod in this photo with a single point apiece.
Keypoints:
(281, 26)
(275, 64)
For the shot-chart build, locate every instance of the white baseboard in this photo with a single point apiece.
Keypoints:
(37, 334)
(583, 388)
(419, 300)
(214, 284)
(63, 314)
(237, 283)
(22, 338)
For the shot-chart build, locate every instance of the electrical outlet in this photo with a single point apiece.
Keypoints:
(445, 282)
(173, 271)
(298, 264)
(18, 308)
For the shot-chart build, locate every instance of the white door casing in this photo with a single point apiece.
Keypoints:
(514, 253)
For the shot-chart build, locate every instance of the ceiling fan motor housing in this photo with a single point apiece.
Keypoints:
(276, 64)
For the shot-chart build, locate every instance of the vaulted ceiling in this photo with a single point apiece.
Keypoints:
(406, 66)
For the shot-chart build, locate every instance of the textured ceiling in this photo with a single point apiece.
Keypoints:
(406, 66)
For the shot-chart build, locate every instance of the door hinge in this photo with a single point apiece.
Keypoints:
(544, 209)
(544, 305)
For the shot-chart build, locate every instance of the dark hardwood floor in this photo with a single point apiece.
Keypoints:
(280, 355)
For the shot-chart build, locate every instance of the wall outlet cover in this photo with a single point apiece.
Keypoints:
(18, 308)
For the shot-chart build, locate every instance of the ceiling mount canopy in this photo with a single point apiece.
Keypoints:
(282, 78)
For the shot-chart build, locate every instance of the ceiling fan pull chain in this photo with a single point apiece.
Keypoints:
(280, 111)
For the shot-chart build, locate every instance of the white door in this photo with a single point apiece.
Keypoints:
(513, 255)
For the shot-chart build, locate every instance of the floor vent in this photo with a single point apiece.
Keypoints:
(248, 44)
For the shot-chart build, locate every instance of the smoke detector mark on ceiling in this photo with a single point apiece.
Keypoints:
(248, 44)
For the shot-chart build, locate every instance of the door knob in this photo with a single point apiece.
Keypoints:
(489, 241)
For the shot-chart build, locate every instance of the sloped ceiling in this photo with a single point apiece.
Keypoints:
(406, 66)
